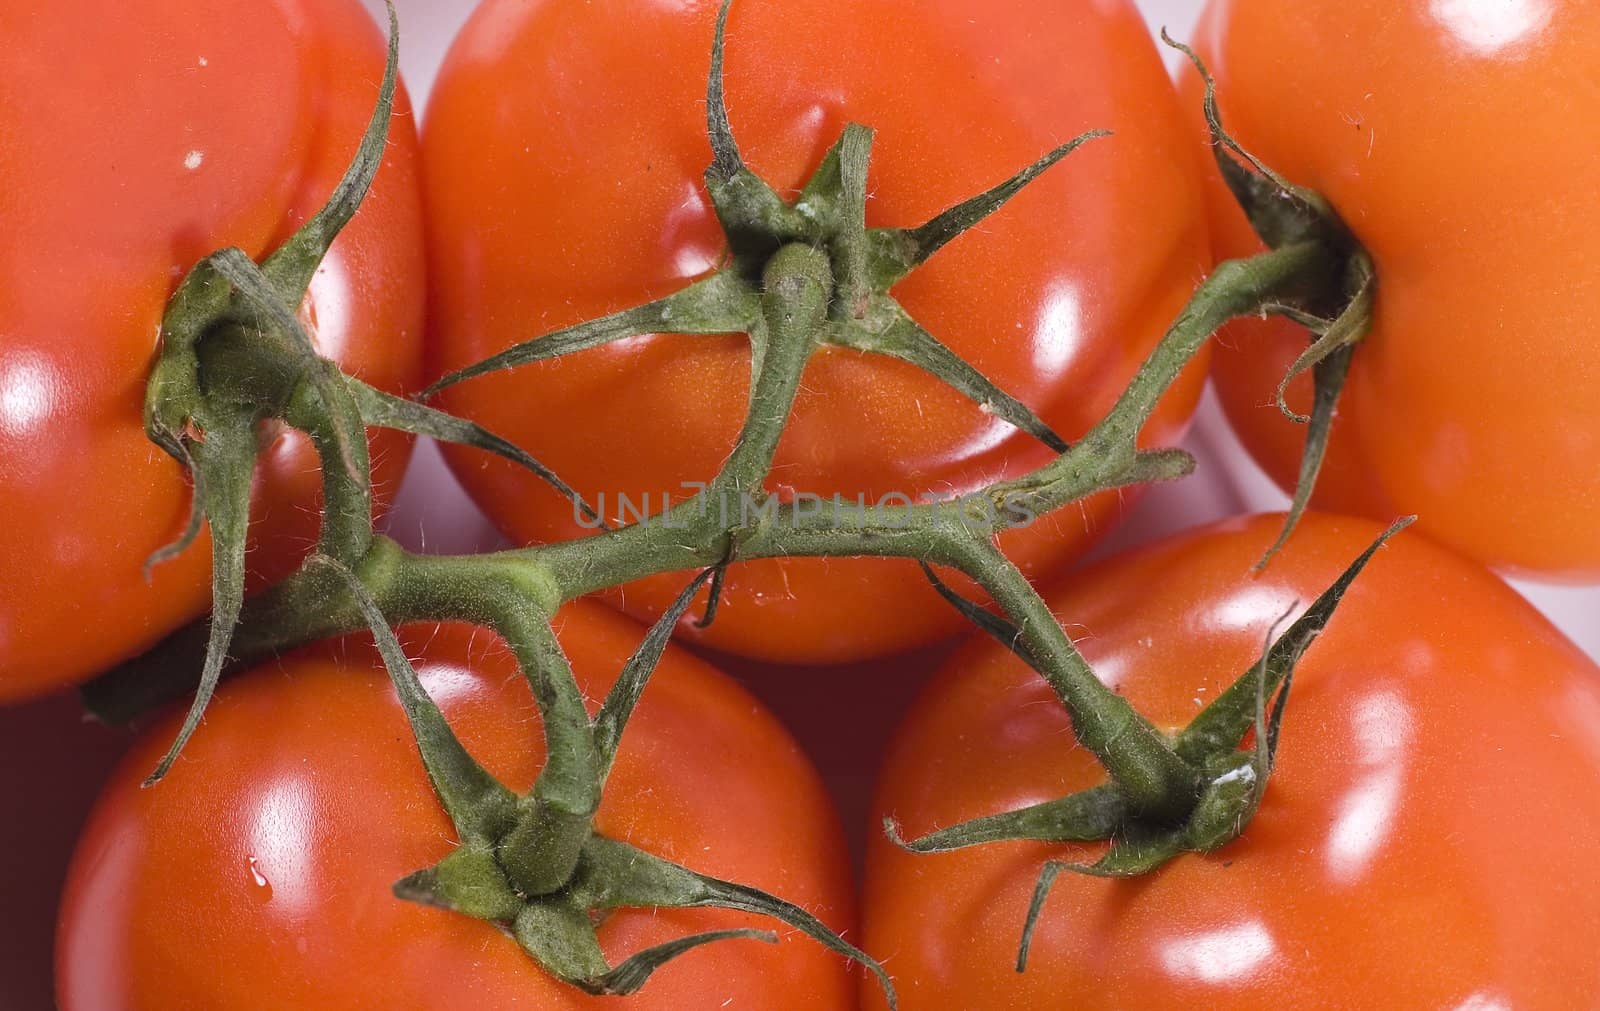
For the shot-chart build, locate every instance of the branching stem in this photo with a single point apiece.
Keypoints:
(800, 275)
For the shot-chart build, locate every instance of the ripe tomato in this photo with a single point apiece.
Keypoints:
(1458, 141)
(124, 163)
(564, 151)
(1427, 838)
(259, 872)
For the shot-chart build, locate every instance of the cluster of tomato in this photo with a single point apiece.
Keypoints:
(558, 179)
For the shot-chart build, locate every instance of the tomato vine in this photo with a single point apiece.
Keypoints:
(799, 275)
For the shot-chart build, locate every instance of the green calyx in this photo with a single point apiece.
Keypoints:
(1335, 308)
(828, 216)
(234, 356)
(1232, 779)
(533, 865)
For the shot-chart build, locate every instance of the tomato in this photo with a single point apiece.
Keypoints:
(56, 762)
(258, 873)
(124, 162)
(1457, 140)
(1427, 838)
(563, 156)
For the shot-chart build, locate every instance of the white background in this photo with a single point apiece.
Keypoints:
(432, 511)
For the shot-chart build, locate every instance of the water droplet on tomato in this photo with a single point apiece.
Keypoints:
(263, 886)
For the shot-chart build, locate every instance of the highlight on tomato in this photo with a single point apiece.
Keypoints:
(564, 151)
(261, 868)
(1457, 142)
(1426, 838)
(138, 138)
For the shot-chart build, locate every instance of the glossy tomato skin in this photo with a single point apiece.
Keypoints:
(258, 874)
(1427, 840)
(564, 151)
(138, 138)
(1459, 142)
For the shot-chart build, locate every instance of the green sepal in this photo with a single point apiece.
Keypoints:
(479, 807)
(197, 511)
(1220, 726)
(997, 627)
(896, 252)
(559, 935)
(1087, 816)
(1329, 356)
(722, 303)
(294, 263)
(224, 462)
(1281, 212)
(823, 193)
(612, 718)
(884, 327)
(754, 218)
(719, 577)
(615, 875)
(1127, 858)
(385, 410)
(468, 881)
(632, 972)
(1344, 331)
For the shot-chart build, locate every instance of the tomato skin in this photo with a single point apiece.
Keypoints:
(564, 151)
(225, 125)
(305, 777)
(1427, 839)
(1459, 144)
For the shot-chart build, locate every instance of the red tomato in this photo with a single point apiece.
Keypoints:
(564, 152)
(1459, 141)
(1426, 841)
(258, 873)
(138, 137)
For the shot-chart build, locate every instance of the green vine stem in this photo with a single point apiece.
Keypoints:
(799, 276)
